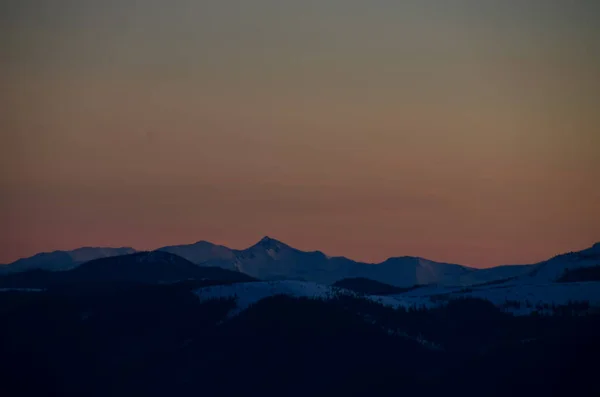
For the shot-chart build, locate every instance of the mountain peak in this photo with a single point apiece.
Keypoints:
(269, 243)
(202, 243)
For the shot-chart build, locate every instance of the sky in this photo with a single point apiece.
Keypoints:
(464, 131)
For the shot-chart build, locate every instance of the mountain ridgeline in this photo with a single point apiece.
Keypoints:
(156, 323)
(63, 260)
(154, 267)
(270, 259)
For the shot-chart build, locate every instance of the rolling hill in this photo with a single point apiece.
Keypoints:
(154, 267)
(63, 260)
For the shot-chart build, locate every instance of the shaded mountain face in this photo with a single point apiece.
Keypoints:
(143, 267)
(409, 271)
(139, 268)
(63, 260)
(204, 253)
(268, 259)
(494, 275)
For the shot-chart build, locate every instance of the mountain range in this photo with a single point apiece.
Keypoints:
(270, 259)
(186, 320)
(143, 268)
(63, 260)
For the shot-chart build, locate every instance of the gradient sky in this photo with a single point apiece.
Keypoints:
(463, 131)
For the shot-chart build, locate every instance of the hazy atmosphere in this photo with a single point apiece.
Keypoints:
(460, 131)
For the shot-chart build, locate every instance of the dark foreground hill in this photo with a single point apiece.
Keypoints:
(157, 340)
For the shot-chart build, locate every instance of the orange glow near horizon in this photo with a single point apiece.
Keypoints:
(463, 132)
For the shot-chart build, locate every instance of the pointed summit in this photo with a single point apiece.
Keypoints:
(268, 242)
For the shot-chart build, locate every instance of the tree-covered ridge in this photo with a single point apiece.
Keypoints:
(591, 273)
(156, 340)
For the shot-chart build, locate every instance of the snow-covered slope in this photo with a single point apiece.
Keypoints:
(270, 259)
(518, 299)
(247, 294)
(532, 296)
(63, 260)
(552, 269)
(529, 296)
(543, 272)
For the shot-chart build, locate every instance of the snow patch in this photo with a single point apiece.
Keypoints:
(249, 293)
(529, 296)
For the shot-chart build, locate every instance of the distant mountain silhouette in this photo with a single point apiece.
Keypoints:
(149, 267)
(204, 253)
(63, 260)
(140, 268)
(270, 259)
